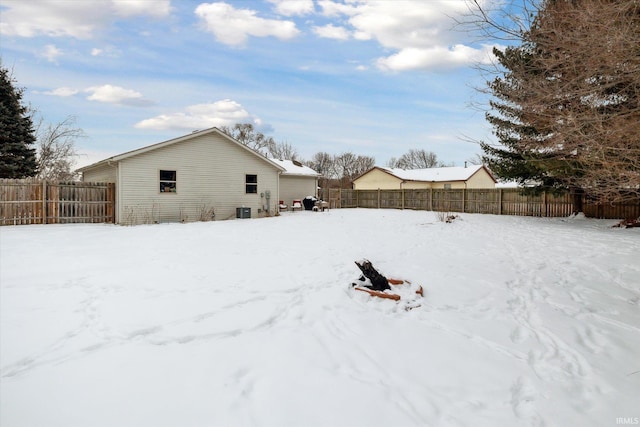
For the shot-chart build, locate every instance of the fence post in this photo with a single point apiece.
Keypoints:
(403, 198)
(44, 202)
(431, 199)
(500, 201)
(464, 199)
(378, 198)
(111, 196)
(544, 203)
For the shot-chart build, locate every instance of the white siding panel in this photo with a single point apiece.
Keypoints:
(210, 172)
(481, 179)
(376, 179)
(104, 173)
(296, 187)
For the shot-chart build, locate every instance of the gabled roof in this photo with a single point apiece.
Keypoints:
(446, 174)
(178, 140)
(295, 168)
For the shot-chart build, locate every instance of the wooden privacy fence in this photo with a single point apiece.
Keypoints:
(499, 201)
(29, 201)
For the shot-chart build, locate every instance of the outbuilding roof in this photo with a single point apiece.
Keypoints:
(295, 168)
(446, 174)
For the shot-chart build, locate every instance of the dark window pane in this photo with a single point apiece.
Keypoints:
(252, 179)
(252, 188)
(167, 175)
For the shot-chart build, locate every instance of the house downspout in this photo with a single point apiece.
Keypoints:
(118, 192)
(278, 191)
(464, 197)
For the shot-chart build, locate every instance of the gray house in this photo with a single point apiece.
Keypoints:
(190, 178)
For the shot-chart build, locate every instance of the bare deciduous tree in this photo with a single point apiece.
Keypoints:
(55, 147)
(416, 159)
(476, 159)
(504, 21)
(247, 135)
(339, 170)
(324, 164)
(283, 151)
(349, 165)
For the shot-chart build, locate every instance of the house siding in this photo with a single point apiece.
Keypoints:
(375, 179)
(296, 187)
(210, 173)
(103, 173)
(415, 185)
(453, 185)
(481, 179)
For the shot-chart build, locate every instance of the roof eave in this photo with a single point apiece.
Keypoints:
(169, 142)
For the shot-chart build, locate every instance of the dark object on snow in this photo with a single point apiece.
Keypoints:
(309, 202)
(378, 281)
(628, 223)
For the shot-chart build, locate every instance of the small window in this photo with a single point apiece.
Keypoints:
(251, 184)
(167, 181)
(447, 186)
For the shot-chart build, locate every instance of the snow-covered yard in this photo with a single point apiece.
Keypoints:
(525, 321)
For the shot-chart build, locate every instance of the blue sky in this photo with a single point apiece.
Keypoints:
(376, 78)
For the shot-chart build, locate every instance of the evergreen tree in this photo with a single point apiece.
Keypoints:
(567, 107)
(518, 157)
(17, 135)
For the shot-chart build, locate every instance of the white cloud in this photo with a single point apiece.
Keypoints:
(421, 32)
(51, 53)
(331, 32)
(234, 26)
(106, 51)
(117, 95)
(77, 19)
(293, 7)
(202, 116)
(331, 8)
(154, 8)
(437, 57)
(50, 18)
(62, 91)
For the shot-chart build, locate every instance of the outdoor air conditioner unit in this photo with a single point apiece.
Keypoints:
(243, 213)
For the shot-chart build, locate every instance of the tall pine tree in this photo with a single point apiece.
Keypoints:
(17, 135)
(567, 107)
